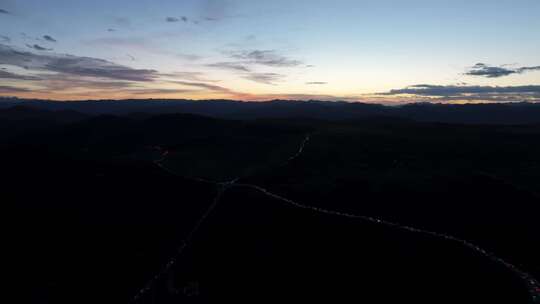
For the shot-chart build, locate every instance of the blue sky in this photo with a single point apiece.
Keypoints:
(255, 50)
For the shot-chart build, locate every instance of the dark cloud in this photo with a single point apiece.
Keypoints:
(4, 39)
(493, 98)
(63, 72)
(201, 85)
(243, 66)
(74, 65)
(484, 70)
(110, 30)
(265, 78)
(232, 66)
(175, 19)
(266, 57)
(8, 75)
(92, 67)
(66, 82)
(194, 87)
(10, 89)
(49, 38)
(38, 47)
(316, 82)
(526, 69)
(3, 11)
(446, 91)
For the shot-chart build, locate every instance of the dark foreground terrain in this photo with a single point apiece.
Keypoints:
(179, 208)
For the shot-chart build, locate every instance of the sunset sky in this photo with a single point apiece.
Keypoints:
(355, 50)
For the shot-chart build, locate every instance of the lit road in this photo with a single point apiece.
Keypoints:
(532, 284)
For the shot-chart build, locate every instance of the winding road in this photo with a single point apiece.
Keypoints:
(532, 284)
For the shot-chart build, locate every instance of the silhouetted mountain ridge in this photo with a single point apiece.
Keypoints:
(507, 113)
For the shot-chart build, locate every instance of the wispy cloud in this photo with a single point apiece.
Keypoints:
(38, 47)
(246, 62)
(265, 78)
(80, 77)
(3, 11)
(87, 66)
(68, 82)
(441, 90)
(527, 69)
(266, 57)
(205, 86)
(191, 76)
(176, 19)
(5, 39)
(74, 65)
(49, 38)
(484, 70)
(316, 83)
(232, 66)
(452, 93)
(159, 91)
(11, 90)
(9, 75)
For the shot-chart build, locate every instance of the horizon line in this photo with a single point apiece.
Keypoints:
(337, 101)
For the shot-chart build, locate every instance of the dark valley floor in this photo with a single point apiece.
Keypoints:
(171, 208)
